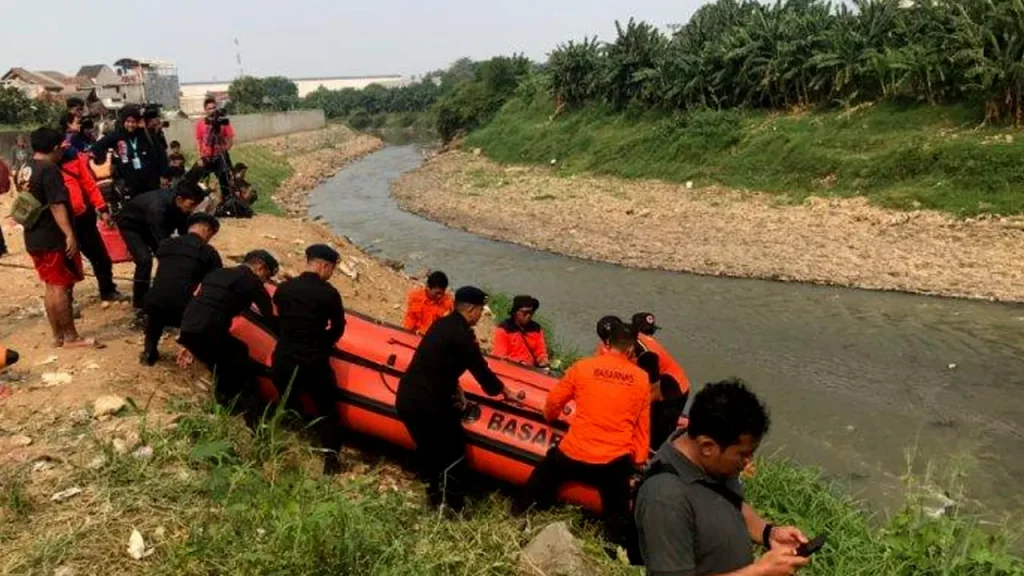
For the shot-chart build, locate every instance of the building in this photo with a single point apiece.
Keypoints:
(130, 81)
(34, 84)
(193, 93)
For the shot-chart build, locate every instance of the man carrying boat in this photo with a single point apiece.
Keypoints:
(520, 338)
(608, 439)
(428, 394)
(312, 319)
(206, 326)
(646, 327)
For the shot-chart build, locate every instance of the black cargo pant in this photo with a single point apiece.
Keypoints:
(665, 413)
(142, 250)
(612, 482)
(228, 359)
(315, 379)
(160, 315)
(440, 446)
(219, 166)
(91, 244)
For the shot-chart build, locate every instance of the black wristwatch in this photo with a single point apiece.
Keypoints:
(766, 536)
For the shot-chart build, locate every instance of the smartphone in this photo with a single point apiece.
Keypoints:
(811, 547)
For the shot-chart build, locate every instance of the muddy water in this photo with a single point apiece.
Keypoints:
(856, 380)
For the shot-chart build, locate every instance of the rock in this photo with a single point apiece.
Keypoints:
(554, 161)
(107, 405)
(477, 151)
(120, 446)
(48, 360)
(143, 452)
(43, 465)
(90, 366)
(20, 440)
(348, 271)
(65, 494)
(554, 551)
(952, 366)
(689, 184)
(270, 237)
(104, 305)
(78, 417)
(64, 571)
(396, 265)
(56, 378)
(137, 546)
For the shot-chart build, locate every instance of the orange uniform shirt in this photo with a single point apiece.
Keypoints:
(82, 189)
(613, 409)
(421, 311)
(666, 363)
(523, 346)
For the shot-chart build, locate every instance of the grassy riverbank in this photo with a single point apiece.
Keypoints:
(898, 157)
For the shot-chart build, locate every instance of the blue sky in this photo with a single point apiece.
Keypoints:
(300, 38)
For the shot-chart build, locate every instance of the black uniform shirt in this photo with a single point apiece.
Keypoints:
(153, 215)
(184, 262)
(224, 294)
(448, 349)
(47, 186)
(311, 318)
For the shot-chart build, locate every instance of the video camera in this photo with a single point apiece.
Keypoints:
(218, 118)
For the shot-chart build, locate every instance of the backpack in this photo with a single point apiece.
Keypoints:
(26, 208)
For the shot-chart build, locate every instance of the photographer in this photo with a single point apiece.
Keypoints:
(214, 138)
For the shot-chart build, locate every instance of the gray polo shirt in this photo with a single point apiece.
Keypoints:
(687, 526)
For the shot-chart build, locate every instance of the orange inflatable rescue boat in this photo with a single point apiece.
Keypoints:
(505, 440)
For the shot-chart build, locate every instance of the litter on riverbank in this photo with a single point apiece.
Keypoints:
(720, 232)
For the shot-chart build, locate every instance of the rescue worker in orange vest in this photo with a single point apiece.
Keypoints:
(646, 327)
(428, 304)
(608, 438)
(519, 338)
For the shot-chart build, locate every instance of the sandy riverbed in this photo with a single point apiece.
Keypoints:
(715, 231)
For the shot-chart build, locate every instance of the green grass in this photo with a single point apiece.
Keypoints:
(267, 171)
(903, 157)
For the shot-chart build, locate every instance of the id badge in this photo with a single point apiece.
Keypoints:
(137, 163)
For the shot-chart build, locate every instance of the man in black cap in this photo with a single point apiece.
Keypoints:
(184, 262)
(149, 219)
(429, 391)
(206, 326)
(311, 319)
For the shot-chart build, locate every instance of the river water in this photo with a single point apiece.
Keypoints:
(859, 383)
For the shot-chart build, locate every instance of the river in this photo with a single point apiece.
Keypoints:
(860, 384)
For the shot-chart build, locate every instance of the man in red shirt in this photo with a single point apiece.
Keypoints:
(214, 139)
(519, 338)
(608, 438)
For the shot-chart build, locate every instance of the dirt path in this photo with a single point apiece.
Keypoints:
(653, 224)
(54, 389)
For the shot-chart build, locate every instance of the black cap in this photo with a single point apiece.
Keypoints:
(605, 325)
(322, 252)
(263, 256)
(470, 295)
(204, 218)
(645, 323)
(523, 302)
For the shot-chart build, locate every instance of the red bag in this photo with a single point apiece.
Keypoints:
(5, 178)
(116, 248)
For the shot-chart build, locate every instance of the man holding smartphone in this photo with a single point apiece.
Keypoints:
(690, 510)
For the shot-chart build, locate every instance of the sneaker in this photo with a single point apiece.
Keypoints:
(114, 296)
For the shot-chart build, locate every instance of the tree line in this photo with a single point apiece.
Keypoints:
(800, 53)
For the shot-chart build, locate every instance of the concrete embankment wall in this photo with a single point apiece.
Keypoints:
(248, 127)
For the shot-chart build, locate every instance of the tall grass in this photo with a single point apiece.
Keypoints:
(898, 157)
(267, 171)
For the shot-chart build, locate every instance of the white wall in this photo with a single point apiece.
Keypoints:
(249, 127)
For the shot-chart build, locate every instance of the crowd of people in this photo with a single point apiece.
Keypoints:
(680, 512)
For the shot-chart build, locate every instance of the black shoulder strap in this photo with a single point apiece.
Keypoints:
(657, 466)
